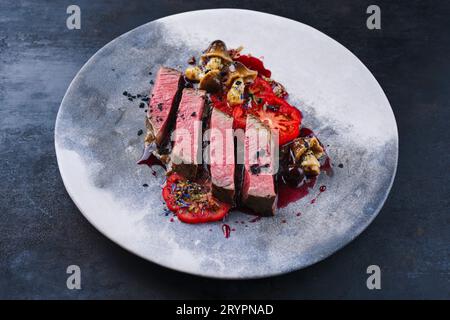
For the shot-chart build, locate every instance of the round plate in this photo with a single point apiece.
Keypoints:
(97, 146)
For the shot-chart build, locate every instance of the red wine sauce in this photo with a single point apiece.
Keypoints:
(226, 230)
(287, 194)
(321, 189)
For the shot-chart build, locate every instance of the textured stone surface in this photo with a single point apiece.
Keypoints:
(42, 232)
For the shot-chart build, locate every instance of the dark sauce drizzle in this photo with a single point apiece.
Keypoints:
(226, 230)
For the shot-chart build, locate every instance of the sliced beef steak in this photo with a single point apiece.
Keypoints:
(163, 103)
(221, 153)
(258, 188)
(187, 136)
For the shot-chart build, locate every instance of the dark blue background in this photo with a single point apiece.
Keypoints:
(42, 232)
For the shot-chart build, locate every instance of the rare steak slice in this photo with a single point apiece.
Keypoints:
(221, 156)
(187, 136)
(260, 156)
(163, 104)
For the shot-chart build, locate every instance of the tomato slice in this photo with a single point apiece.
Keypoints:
(257, 91)
(207, 215)
(272, 110)
(254, 64)
(276, 113)
(279, 115)
(198, 208)
(239, 117)
(260, 87)
(168, 194)
(220, 102)
(238, 112)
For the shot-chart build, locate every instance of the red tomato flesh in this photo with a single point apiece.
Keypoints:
(239, 117)
(219, 101)
(192, 202)
(260, 87)
(274, 111)
(262, 102)
(280, 116)
(254, 64)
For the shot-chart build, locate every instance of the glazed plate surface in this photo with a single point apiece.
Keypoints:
(97, 146)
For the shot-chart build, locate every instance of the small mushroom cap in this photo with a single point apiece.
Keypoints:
(217, 48)
(241, 71)
(211, 81)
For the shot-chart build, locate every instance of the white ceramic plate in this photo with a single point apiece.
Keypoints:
(97, 146)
